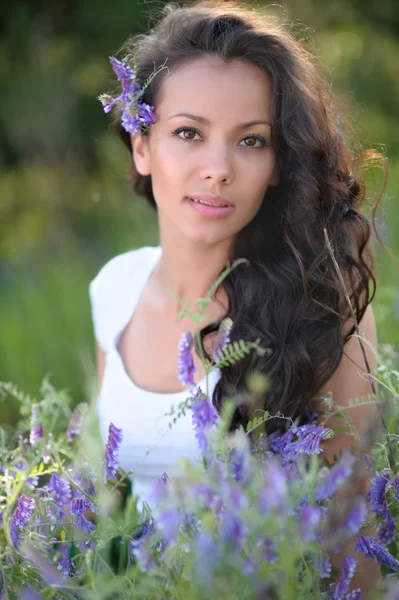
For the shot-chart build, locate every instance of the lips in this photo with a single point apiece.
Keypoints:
(210, 200)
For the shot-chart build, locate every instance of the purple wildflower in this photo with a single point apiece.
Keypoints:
(86, 527)
(355, 518)
(378, 487)
(20, 466)
(273, 494)
(308, 442)
(76, 421)
(387, 531)
(368, 545)
(223, 339)
(46, 452)
(134, 112)
(241, 465)
(207, 557)
(130, 122)
(140, 550)
(36, 433)
(37, 429)
(232, 528)
(332, 481)
(146, 114)
(79, 505)
(323, 565)
(111, 452)
(186, 368)
(355, 595)
(279, 442)
(168, 523)
(84, 478)
(123, 72)
(206, 494)
(66, 563)
(268, 548)
(309, 519)
(59, 489)
(160, 490)
(204, 416)
(341, 586)
(20, 518)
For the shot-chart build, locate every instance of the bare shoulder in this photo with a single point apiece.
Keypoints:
(351, 381)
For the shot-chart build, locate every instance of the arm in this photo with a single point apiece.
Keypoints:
(350, 381)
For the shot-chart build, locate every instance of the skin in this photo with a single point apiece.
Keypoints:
(218, 158)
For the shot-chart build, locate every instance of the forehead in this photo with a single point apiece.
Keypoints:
(207, 85)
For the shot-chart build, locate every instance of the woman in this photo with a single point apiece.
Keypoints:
(241, 154)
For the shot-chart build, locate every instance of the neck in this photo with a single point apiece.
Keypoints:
(189, 269)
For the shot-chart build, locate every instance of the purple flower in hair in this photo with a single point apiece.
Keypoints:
(115, 436)
(368, 545)
(123, 72)
(21, 518)
(134, 113)
(186, 368)
(146, 114)
(341, 586)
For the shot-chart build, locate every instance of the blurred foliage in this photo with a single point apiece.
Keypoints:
(66, 205)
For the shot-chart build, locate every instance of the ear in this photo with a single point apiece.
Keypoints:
(141, 154)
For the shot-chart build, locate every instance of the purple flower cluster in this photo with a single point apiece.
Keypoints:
(76, 421)
(111, 452)
(21, 518)
(368, 545)
(134, 112)
(37, 429)
(297, 440)
(204, 416)
(185, 367)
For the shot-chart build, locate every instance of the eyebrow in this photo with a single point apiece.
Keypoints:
(205, 121)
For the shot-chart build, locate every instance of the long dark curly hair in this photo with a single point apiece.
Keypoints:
(289, 296)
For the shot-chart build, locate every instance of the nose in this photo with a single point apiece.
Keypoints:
(217, 164)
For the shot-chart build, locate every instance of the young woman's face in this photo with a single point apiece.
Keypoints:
(213, 154)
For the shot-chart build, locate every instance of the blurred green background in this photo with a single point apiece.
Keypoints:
(66, 206)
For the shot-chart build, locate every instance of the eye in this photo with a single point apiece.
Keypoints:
(253, 136)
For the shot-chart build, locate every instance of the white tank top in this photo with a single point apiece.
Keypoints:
(149, 447)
